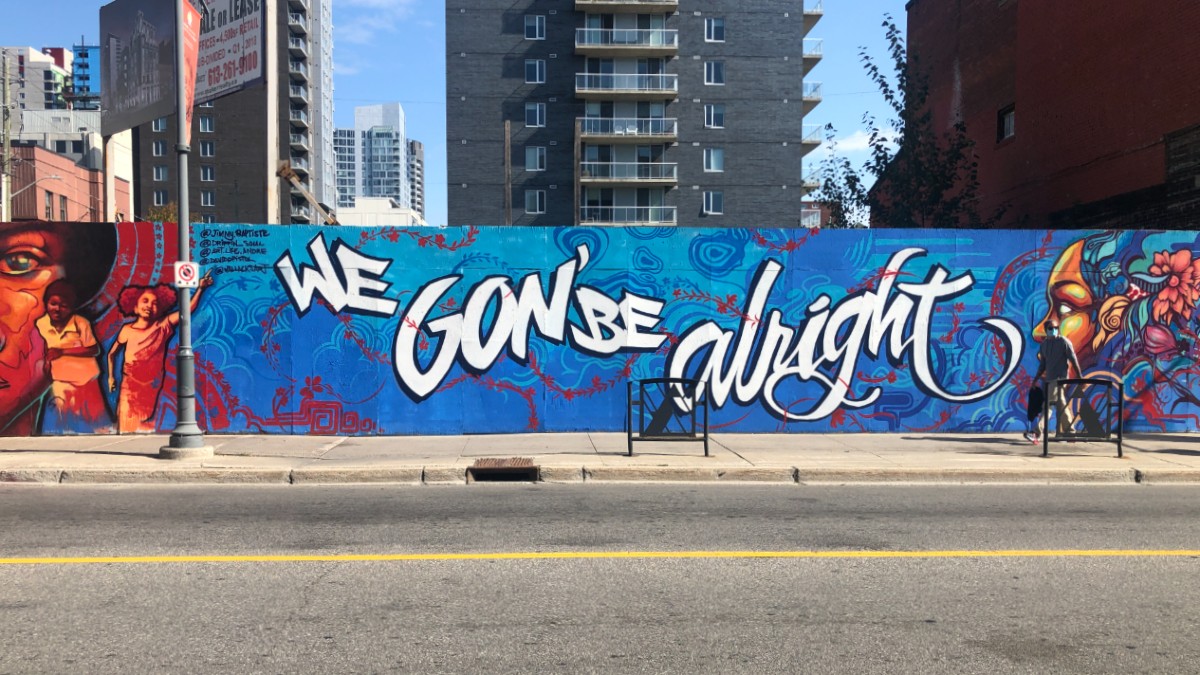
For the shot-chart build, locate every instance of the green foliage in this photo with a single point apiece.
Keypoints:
(922, 177)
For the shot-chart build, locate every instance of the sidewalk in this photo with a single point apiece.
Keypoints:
(600, 457)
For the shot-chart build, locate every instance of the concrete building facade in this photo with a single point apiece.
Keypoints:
(1107, 136)
(665, 112)
(239, 140)
(416, 177)
(373, 158)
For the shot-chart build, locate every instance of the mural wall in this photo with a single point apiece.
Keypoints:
(341, 330)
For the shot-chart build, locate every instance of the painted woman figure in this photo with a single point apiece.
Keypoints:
(145, 341)
(76, 400)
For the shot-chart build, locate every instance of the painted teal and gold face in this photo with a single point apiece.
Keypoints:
(29, 262)
(1072, 302)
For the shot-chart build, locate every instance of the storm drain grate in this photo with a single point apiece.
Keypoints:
(503, 469)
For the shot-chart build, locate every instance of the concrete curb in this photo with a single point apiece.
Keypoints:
(906, 475)
(405, 475)
(457, 475)
(176, 476)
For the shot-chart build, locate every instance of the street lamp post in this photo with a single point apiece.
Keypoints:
(9, 198)
(187, 440)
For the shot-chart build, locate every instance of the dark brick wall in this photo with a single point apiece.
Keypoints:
(1097, 94)
(764, 66)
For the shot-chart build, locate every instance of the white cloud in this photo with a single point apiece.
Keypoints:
(359, 22)
(860, 141)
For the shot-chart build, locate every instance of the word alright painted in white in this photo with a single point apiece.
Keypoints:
(746, 365)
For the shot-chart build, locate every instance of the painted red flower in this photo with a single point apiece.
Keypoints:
(1182, 292)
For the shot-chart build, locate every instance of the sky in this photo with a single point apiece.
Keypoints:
(388, 51)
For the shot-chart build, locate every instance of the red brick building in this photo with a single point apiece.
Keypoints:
(50, 186)
(1084, 114)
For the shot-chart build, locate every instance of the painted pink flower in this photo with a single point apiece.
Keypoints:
(1182, 292)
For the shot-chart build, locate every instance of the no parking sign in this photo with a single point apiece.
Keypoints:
(187, 275)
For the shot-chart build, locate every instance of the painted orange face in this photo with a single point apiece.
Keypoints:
(147, 306)
(29, 262)
(1071, 302)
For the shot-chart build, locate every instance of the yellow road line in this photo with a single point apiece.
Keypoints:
(602, 555)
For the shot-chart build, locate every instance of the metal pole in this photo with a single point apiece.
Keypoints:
(187, 440)
(6, 164)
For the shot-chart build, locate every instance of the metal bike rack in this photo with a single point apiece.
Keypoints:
(672, 404)
(1090, 404)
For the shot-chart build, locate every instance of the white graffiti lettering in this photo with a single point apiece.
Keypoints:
(348, 280)
(746, 365)
(831, 339)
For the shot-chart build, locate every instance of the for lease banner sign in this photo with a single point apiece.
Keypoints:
(231, 48)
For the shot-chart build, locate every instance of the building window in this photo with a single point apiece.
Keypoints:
(714, 30)
(1006, 123)
(60, 147)
(535, 158)
(535, 201)
(159, 148)
(159, 124)
(160, 173)
(208, 218)
(62, 208)
(714, 72)
(208, 148)
(535, 27)
(208, 198)
(204, 105)
(535, 114)
(208, 174)
(714, 202)
(714, 159)
(535, 71)
(160, 197)
(77, 147)
(714, 115)
(206, 123)
(49, 205)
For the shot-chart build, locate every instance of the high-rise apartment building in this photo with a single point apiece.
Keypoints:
(239, 140)
(666, 112)
(416, 176)
(37, 79)
(373, 157)
(83, 87)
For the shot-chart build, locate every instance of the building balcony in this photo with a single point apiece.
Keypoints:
(814, 51)
(812, 96)
(813, 11)
(301, 5)
(299, 164)
(298, 118)
(811, 183)
(301, 213)
(297, 23)
(626, 42)
(628, 215)
(627, 6)
(812, 137)
(298, 71)
(298, 93)
(299, 142)
(298, 47)
(614, 86)
(626, 173)
(628, 129)
(810, 218)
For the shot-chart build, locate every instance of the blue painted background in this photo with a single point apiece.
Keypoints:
(265, 368)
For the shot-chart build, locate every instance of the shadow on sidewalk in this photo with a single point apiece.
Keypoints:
(61, 451)
(1018, 446)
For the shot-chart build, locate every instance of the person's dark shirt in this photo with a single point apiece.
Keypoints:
(1055, 353)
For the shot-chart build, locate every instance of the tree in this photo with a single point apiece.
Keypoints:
(921, 177)
(169, 213)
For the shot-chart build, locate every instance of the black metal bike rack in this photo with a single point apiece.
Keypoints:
(1091, 412)
(672, 404)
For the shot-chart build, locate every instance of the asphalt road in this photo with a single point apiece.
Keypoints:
(866, 608)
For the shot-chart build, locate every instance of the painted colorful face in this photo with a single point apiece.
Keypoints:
(1071, 302)
(29, 262)
(147, 305)
(58, 309)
